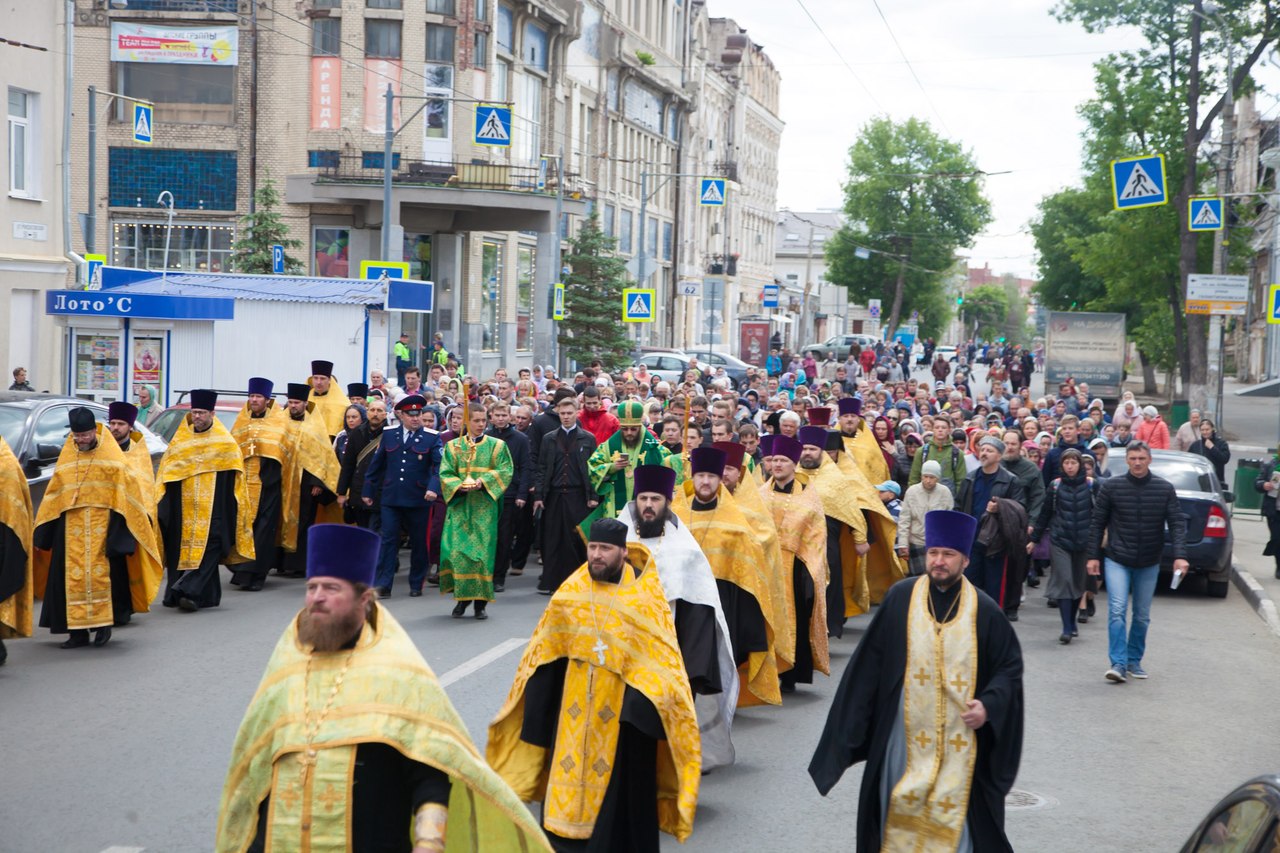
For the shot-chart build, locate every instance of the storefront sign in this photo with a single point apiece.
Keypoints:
(132, 42)
(152, 306)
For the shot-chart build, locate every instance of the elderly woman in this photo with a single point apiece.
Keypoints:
(149, 407)
(1213, 447)
(1066, 514)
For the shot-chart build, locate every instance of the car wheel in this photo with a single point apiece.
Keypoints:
(1217, 589)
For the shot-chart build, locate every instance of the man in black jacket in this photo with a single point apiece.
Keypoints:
(564, 494)
(513, 499)
(978, 494)
(1133, 511)
(361, 445)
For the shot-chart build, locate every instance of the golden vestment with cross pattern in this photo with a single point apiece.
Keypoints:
(15, 514)
(195, 459)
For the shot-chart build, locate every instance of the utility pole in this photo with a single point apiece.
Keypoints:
(91, 218)
(1221, 238)
(808, 287)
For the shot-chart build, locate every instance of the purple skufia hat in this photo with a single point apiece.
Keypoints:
(654, 478)
(766, 445)
(261, 385)
(706, 460)
(203, 398)
(785, 445)
(121, 410)
(850, 406)
(342, 551)
(815, 435)
(945, 528)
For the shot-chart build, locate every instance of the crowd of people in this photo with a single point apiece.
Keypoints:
(701, 546)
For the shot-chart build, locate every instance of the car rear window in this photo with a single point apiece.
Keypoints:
(12, 419)
(1183, 476)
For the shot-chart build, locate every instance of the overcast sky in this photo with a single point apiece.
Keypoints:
(1004, 79)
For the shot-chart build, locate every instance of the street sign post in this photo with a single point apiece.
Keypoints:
(1273, 305)
(277, 259)
(770, 295)
(142, 121)
(712, 192)
(1204, 214)
(637, 305)
(873, 308)
(1138, 182)
(493, 125)
(557, 301)
(1217, 294)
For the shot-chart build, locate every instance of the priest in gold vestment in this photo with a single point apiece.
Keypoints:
(859, 442)
(350, 744)
(121, 421)
(261, 432)
(202, 507)
(599, 725)
(15, 550)
(97, 560)
(330, 405)
(309, 479)
(932, 701)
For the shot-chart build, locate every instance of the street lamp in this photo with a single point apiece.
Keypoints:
(168, 231)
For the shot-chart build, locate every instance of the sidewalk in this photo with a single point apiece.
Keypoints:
(1252, 573)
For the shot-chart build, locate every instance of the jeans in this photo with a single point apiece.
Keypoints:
(414, 521)
(1124, 582)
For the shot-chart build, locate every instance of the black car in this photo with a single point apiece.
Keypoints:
(35, 428)
(1247, 820)
(1206, 506)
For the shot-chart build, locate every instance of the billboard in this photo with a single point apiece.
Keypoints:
(193, 45)
(1085, 347)
(753, 341)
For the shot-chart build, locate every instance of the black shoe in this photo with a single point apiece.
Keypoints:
(1034, 583)
(1053, 603)
(1089, 606)
(1082, 616)
(460, 609)
(544, 592)
(1012, 616)
(4, 653)
(787, 688)
(123, 620)
(481, 614)
(101, 637)
(499, 587)
(433, 579)
(255, 585)
(1277, 574)
(1064, 639)
(384, 592)
(415, 593)
(188, 605)
(77, 639)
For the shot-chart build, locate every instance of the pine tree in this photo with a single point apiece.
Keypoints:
(263, 229)
(592, 327)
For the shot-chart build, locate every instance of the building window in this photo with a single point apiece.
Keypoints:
(526, 258)
(668, 236)
(322, 159)
(22, 147)
(490, 293)
(480, 51)
(534, 48)
(183, 94)
(438, 80)
(373, 160)
(384, 4)
(651, 244)
(326, 36)
(502, 81)
(506, 29)
(482, 10)
(673, 124)
(417, 254)
(440, 43)
(193, 246)
(607, 220)
(332, 252)
(624, 236)
(319, 4)
(382, 39)
(528, 118)
(441, 7)
(642, 105)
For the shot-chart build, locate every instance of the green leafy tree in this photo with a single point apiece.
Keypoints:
(261, 230)
(912, 199)
(592, 327)
(1065, 217)
(985, 310)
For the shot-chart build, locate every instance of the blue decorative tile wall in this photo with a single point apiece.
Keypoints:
(322, 159)
(373, 160)
(198, 179)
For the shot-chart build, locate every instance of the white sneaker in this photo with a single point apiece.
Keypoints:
(1116, 675)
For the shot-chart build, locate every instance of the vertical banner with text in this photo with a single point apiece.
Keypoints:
(377, 74)
(326, 93)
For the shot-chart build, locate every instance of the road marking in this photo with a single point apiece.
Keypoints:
(481, 660)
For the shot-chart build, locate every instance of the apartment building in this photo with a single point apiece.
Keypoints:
(811, 308)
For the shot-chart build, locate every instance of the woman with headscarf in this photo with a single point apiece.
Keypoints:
(1213, 447)
(1066, 514)
(149, 407)
(355, 417)
(890, 447)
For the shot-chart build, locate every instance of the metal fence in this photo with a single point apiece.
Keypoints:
(363, 168)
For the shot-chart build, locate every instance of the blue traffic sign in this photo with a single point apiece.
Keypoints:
(712, 192)
(277, 259)
(770, 296)
(493, 125)
(142, 121)
(557, 301)
(1273, 304)
(1138, 182)
(1204, 214)
(637, 305)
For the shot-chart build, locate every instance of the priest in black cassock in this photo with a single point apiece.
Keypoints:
(564, 495)
(942, 745)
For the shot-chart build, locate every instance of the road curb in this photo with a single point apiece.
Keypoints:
(1257, 597)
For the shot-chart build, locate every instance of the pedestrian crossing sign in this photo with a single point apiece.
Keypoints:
(637, 305)
(1273, 305)
(373, 270)
(493, 125)
(1204, 214)
(142, 116)
(1138, 182)
(712, 193)
(557, 301)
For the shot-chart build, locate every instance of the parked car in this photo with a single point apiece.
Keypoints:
(228, 408)
(948, 352)
(1206, 507)
(735, 367)
(1244, 821)
(35, 428)
(668, 365)
(839, 345)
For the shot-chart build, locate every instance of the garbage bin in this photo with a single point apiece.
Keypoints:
(1248, 499)
(1179, 414)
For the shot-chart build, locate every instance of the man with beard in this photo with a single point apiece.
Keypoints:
(750, 597)
(121, 416)
(859, 442)
(386, 763)
(15, 550)
(564, 495)
(330, 407)
(690, 588)
(97, 559)
(202, 507)
(612, 466)
(261, 432)
(516, 497)
(802, 534)
(610, 778)
(846, 530)
(932, 701)
(361, 446)
(310, 478)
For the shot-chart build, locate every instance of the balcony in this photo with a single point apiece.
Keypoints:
(224, 6)
(361, 169)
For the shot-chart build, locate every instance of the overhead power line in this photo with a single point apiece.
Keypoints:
(910, 67)
(840, 56)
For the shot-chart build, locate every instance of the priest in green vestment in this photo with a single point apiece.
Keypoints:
(475, 471)
(613, 464)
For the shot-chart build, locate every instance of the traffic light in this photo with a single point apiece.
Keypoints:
(959, 300)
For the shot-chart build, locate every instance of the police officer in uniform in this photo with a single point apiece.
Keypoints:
(406, 466)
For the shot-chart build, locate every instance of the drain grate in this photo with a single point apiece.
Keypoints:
(1028, 800)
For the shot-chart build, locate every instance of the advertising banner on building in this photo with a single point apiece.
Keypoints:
(753, 341)
(377, 74)
(194, 45)
(1085, 347)
(326, 93)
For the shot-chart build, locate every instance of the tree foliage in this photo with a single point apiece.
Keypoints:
(592, 327)
(985, 311)
(261, 230)
(912, 199)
